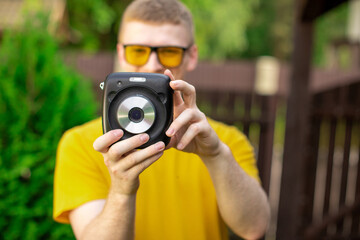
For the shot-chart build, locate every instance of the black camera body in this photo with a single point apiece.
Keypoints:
(138, 103)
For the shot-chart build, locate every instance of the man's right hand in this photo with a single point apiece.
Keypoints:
(124, 162)
(115, 216)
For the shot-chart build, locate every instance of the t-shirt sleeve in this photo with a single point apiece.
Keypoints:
(240, 147)
(79, 175)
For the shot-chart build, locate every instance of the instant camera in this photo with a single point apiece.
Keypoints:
(138, 103)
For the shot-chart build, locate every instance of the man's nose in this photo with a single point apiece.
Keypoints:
(153, 65)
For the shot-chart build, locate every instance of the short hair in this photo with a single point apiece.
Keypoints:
(159, 12)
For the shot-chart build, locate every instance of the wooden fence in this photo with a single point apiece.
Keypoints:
(225, 92)
(331, 207)
(252, 114)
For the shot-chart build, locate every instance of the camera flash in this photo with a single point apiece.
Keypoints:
(137, 79)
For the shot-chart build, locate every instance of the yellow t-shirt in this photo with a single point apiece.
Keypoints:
(176, 198)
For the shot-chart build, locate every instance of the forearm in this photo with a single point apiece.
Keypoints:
(116, 221)
(241, 200)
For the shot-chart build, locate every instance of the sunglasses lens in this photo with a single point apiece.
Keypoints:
(170, 56)
(137, 55)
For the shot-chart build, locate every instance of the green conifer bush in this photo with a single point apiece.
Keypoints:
(40, 98)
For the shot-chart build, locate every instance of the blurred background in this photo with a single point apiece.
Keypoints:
(286, 72)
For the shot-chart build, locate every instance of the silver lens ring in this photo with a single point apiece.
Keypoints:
(139, 103)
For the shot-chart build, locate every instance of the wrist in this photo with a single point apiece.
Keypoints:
(116, 202)
(121, 186)
(117, 196)
(222, 153)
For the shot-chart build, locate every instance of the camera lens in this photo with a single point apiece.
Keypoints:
(136, 115)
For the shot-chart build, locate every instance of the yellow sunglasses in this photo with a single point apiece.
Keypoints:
(168, 56)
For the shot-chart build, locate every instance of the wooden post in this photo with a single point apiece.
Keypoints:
(267, 128)
(291, 200)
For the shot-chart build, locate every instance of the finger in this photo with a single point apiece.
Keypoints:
(140, 156)
(177, 99)
(186, 117)
(187, 90)
(110, 163)
(172, 143)
(123, 147)
(102, 143)
(139, 168)
(189, 135)
(169, 74)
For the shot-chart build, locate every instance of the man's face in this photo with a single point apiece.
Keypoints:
(141, 33)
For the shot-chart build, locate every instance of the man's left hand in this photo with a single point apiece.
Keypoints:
(190, 131)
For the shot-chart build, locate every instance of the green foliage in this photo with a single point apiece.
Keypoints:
(94, 23)
(258, 33)
(224, 29)
(40, 97)
(270, 30)
(220, 26)
(329, 27)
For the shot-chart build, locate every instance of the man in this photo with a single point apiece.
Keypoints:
(204, 181)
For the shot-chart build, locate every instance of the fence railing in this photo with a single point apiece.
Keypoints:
(332, 180)
(225, 92)
(253, 114)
